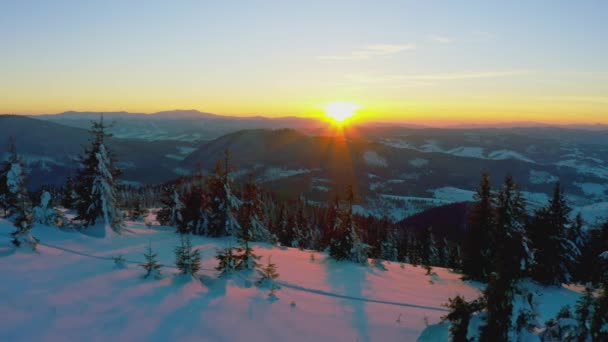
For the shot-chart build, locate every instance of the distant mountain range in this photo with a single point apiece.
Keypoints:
(397, 171)
(193, 125)
(181, 125)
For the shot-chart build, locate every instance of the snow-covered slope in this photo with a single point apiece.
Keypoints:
(71, 288)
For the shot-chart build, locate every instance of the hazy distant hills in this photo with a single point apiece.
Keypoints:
(181, 125)
(397, 171)
(50, 149)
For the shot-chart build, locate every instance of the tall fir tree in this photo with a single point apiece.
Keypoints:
(223, 202)
(332, 223)
(97, 177)
(171, 212)
(19, 204)
(590, 268)
(281, 226)
(194, 218)
(550, 232)
(69, 196)
(513, 255)
(498, 298)
(346, 244)
(251, 213)
(477, 252)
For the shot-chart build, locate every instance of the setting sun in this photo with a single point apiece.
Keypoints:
(341, 111)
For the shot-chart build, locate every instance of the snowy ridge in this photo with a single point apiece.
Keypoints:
(432, 146)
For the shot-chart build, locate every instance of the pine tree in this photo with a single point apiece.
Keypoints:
(346, 244)
(388, 247)
(246, 257)
(599, 321)
(583, 314)
(223, 203)
(555, 253)
(512, 258)
(193, 216)
(151, 265)
(251, 214)
(498, 297)
(590, 269)
(137, 212)
(268, 277)
(431, 250)
(97, 198)
(332, 223)
(513, 255)
(460, 316)
(18, 203)
(282, 226)
(69, 197)
(477, 253)
(228, 261)
(187, 259)
(300, 232)
(171, 212)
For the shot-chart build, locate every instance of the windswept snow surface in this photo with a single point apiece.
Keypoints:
(70, 288)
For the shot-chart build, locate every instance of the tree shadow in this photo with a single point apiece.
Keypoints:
(348, 279)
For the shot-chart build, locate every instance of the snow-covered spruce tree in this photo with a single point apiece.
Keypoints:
(346, 244)
(45, 214)
(512, 259)
(152, 266)
(97, 183)
(599, 321)
(194, 217)
(388, 246)
(7, 197)
(18, 204)
(299, 226)
(596, 243)
(223, 203)
(138, 212)
(187, 259)
(431, 254)
(513, 255)
(281, 226)
(460, 316)
(251, 214)
(555, 253)
(477, 252)
(498, 297)
(268, 277)
(69, 197)
(250, 225)
(227, 260)
(171, 212)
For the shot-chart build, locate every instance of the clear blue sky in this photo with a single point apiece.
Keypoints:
(401, 60)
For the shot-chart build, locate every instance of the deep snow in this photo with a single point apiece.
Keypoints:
(70, 289)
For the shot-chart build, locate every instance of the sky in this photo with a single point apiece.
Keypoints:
(431, 62)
